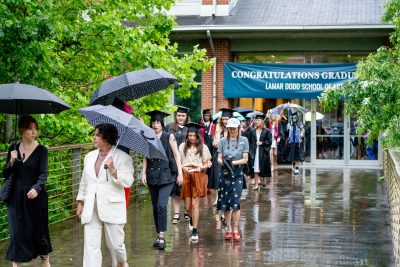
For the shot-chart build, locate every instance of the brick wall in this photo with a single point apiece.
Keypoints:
(222, 50)
(219, 2)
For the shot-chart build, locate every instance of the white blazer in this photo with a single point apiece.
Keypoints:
(110, 195)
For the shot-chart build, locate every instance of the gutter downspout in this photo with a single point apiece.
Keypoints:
(214, 83)
(214, 7)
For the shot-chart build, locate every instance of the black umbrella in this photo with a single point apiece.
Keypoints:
(132, 85)
(243, 110)
(133, 133)
(18, 98)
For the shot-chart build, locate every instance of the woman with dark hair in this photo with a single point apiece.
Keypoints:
(101, 201)
(195, 158)
(232, 155)
(161, 175)
(179, 131)
(27, 208)
(260, 140)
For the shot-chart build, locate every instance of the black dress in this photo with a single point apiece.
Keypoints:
(180, 136)
(263, 151)
(215, 170)
(28, 218)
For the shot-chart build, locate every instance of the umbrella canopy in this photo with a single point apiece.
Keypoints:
(132, 85)
(235, 114)
(318, 116)
(18, 98)
(243, 110)
(293, 108)
(133, 133)
(254, 114)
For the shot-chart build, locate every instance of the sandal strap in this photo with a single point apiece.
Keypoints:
(43, 258)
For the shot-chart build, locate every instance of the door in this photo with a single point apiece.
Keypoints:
(357, 152)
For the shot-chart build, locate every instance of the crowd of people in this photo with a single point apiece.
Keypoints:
(221, 155)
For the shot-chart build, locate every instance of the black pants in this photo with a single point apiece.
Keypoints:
(159, 199)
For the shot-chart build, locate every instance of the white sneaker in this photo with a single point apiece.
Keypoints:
(296, 171)
(195, 237)
(190, 225)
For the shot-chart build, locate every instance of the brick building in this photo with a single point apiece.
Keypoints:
(291, 34)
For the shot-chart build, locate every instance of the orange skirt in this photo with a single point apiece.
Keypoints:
(194, 184)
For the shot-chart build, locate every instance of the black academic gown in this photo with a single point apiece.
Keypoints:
(263, 153)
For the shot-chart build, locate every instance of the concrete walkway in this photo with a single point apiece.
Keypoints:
(322, 217)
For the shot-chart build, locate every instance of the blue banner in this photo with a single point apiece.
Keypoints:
(244, 80)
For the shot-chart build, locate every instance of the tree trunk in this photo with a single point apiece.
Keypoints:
(8, 128)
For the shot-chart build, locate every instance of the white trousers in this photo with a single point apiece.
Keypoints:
(114, 234)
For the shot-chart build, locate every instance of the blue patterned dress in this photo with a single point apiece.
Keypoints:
(231, 183)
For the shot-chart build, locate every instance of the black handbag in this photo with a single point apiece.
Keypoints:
(227, 163)
(5, 189)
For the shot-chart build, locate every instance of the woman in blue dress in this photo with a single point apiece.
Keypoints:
(232, 155)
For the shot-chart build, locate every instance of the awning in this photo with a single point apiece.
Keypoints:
(244, 80)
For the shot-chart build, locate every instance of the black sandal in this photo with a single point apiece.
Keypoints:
(162, 245)
(176, 220)
(186, 216)
(157, 242)
(44, 258)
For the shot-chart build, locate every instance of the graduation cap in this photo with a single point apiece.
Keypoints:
(182, 109)
(260, 117)
(226, 112)
(193, 127)
(157, 115)
(206, 111)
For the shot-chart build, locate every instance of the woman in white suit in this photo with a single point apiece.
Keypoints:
(101, 200)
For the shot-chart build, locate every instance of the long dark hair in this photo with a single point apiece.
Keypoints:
(198, 144)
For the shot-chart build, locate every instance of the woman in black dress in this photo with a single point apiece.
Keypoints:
(179, 131)
(27, 208)
(161, 175)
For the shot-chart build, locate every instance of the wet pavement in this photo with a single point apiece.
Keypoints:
(322, 217)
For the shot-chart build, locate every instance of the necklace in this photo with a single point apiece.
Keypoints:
(103, 156)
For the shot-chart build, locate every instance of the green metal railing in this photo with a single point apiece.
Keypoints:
(65, 165)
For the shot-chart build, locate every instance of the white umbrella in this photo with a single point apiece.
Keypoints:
(307, 116)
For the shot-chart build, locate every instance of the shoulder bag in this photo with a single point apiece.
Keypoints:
(5, 189)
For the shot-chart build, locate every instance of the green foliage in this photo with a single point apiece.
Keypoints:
(375, 97)
(70, 47)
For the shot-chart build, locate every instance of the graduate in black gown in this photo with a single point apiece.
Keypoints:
(27, 208)
(179, 131)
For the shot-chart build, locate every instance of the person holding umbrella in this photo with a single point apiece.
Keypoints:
(161, 175)
(195, 158)
(101, 202)
(27, 207)
(294, 141)
(179, 131)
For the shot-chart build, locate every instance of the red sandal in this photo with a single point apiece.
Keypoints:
(228, 235)
(236, 237)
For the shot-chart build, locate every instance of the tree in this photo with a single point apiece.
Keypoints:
(69, 47)
(375, 96)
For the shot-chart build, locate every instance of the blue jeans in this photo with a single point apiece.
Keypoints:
(159, 199)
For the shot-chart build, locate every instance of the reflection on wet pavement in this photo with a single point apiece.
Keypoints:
(318, 218)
